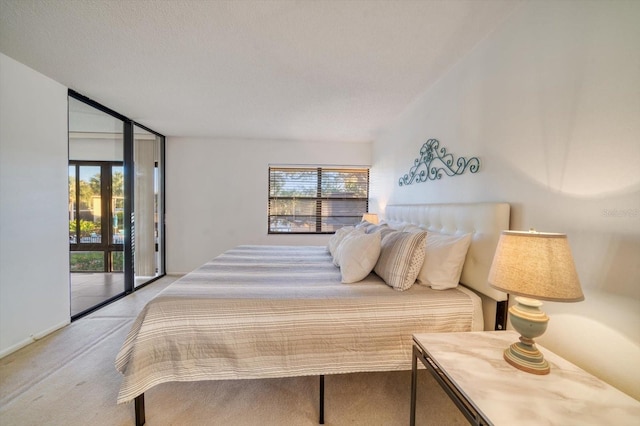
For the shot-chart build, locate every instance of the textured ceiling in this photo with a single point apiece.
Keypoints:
(299, 70)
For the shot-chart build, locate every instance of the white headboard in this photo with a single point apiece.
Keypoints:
(485, 221)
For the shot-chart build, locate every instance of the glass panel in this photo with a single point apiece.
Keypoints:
(96, 152)
(293, 215)
(117, 204)
(117, 218)
(93, 134)
(87, 261)
(159, 206)
(117, 261)
(73, 225)
(339, 213)
(293, 183)
(90, 211)
(147, 209)
(345, 183)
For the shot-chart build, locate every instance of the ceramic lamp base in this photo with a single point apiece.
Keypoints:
(528, 320)
(525, 356)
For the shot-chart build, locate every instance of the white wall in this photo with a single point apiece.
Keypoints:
(217, 193)
(34, 247)
(550, 103)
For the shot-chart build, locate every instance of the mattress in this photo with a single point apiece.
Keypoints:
(282, 311)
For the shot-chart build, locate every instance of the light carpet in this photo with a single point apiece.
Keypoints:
(69, 378)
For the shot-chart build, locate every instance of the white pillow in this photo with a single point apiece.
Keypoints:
(336, 253)
(401, 256)
(358, 255)
(443, 260)
(337, 237)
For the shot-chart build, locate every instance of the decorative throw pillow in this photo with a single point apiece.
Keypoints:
(337, 237)
(336, 254)
(401, 256)
(444, 259)
(358, 255)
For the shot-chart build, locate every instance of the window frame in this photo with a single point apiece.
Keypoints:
(106, 245)
(318, 198)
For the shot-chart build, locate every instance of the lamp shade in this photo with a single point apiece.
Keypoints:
(370, 217)
(537, 265)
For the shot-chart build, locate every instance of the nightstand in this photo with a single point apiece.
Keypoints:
(488, 391)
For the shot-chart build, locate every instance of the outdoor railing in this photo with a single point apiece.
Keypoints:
(96, 239)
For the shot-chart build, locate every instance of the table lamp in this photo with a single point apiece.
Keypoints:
(533, 265)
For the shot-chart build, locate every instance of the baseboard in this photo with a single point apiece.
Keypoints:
(33, 338)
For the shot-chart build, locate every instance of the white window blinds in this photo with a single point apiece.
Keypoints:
(316, 199)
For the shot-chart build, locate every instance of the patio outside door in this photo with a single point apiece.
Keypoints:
(116, 205)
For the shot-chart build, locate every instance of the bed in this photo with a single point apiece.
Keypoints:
(284, 311)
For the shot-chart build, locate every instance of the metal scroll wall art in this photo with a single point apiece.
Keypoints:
(434, 162)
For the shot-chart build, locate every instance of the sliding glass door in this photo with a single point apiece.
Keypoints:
(116, 205)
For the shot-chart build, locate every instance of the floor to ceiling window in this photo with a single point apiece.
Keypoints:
(116, 205)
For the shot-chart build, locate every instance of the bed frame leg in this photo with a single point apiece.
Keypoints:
(139, 409)
(321, 420)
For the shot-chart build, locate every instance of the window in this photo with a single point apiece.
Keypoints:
(96, 233)
(316, 200)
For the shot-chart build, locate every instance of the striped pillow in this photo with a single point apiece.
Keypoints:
(401, 257)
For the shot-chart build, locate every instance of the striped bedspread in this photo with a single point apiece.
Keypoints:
(281, 311)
